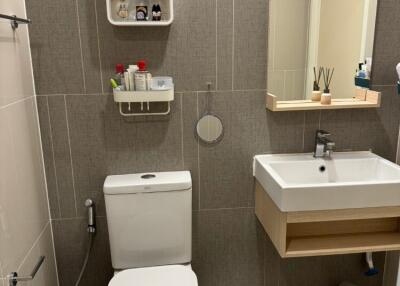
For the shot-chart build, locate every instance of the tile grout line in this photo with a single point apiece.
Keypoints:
(273, 26)
(384, 274)
(30, 52)
(319, 119)
(398, 146)
(33, 246)
(80, 45)
(198, 153)
(264, 258)
(46, 185)
(70, 154)
(182, 141)
(304, 129)
(216, 45)
(226, 209)
(1, 271)
(177, 91)
(54, 160)
(16, 102)
(98, 46)
(233, 44)
(54, 249)
(75, 218)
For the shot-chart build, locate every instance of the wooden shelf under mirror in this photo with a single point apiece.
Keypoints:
(328, 232)
(371, 99)
(363, 99)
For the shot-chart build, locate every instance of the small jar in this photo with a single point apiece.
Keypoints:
(316, 95)
(326, 98)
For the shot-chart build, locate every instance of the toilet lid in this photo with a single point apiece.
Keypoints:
(173, 275)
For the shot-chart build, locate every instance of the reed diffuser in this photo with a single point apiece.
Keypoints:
(327, 75)
(316, 93)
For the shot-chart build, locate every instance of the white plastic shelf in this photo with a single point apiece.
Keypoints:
(167, 13)
(144, 98)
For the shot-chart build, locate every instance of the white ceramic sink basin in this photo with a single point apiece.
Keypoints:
(300, 182)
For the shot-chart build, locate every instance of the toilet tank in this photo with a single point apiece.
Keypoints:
(149, 219)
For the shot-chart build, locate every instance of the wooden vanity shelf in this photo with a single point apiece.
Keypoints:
(362, 99)
(315, 233)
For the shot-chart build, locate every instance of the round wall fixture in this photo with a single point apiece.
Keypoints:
(210, 129)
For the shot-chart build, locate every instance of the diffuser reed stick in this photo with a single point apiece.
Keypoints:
(317, 79)
(327, 75)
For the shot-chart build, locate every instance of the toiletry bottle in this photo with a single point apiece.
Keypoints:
(156, 12)
(119, 74)
(126, 79)
(132, 69)
(142, 11)
(366, 71)
(142, 77)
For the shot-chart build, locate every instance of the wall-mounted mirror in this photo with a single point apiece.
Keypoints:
(209, 129)
(304, 34)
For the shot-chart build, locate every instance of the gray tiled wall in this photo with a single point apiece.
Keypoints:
(74, 50)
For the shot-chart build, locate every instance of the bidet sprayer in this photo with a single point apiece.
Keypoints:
(91, 216)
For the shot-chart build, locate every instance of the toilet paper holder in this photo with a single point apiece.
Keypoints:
(13, 277)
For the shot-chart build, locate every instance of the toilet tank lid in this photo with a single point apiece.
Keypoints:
(147, 183)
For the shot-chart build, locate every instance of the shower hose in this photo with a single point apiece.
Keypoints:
(85, 262)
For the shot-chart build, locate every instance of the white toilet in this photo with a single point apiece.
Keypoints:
(149, 220)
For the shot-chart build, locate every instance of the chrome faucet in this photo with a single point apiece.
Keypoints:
(323, 146)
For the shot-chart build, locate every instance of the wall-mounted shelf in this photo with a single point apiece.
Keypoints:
(329, 232)
(167, 15)
(363, 99)
(144, 99)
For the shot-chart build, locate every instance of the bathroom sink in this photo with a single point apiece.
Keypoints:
(347, 180)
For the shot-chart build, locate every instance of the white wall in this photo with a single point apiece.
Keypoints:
(25, 229)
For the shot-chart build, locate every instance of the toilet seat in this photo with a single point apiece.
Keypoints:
(171, 275)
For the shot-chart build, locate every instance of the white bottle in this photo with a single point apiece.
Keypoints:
(142, 77)
(126, 79)
(398, 70)
(132, 69)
